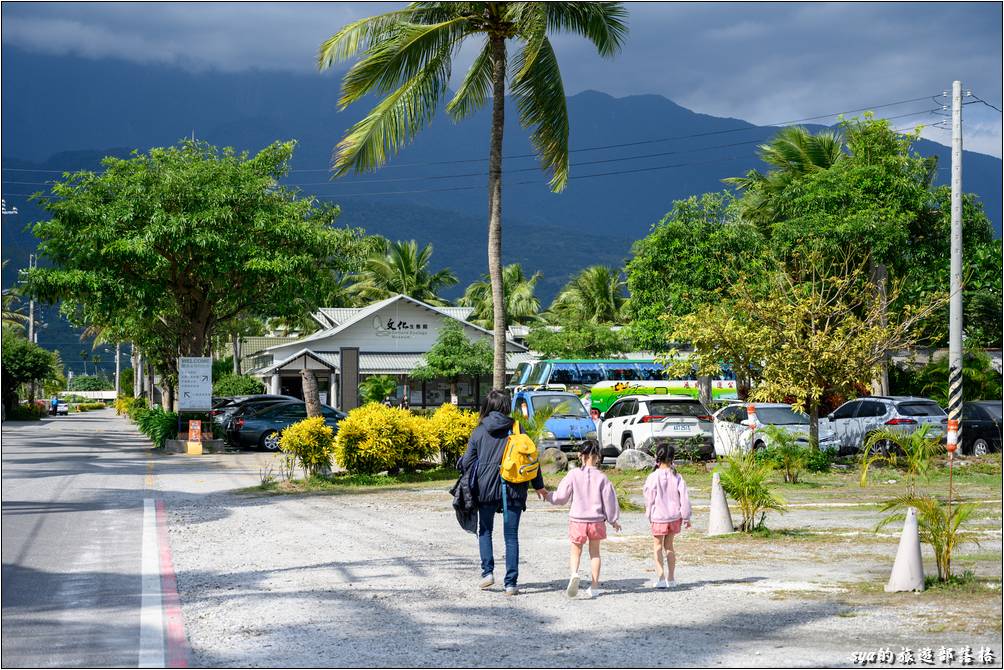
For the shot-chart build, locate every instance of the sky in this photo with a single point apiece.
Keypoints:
(762, 62)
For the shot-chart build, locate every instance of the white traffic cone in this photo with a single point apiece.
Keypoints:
(720, 521)
(908, 570)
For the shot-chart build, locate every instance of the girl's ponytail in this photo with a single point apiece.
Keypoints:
(665, 453)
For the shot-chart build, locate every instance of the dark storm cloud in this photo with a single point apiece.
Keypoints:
(764, 62)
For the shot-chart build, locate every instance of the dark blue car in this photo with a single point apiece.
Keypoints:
(261, 429)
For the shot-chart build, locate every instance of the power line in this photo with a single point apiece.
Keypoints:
(994, 107)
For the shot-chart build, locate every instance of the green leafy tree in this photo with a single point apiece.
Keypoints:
(980, 380)
(407, 57)
(521, 304)
(233, 385)
(595, 295)
(401, 267)
(577, 339)
(454, 355)
(698, 249)
(376, 388)
(169, 245)
(90, 383)
(23, 363)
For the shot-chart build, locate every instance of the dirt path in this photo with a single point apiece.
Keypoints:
(387, 578)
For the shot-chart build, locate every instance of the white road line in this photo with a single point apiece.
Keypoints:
(151, 618)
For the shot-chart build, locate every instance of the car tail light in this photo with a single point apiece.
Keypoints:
(649, 418)
(900, 422)
(704, 417)
(239, 423)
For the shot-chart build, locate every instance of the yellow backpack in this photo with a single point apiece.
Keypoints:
(519, 460)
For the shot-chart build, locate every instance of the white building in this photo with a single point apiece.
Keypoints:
(391, 338)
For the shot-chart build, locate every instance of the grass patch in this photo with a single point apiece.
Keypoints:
(967, 582)
(345, 481)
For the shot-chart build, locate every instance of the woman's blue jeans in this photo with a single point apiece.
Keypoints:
(510, 531)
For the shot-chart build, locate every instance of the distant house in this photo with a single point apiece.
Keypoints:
(391, 336)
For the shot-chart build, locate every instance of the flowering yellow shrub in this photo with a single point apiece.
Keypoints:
(453, 427)
(374, 438)
(311, 442)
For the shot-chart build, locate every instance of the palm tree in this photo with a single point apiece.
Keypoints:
(12, 315)
(793, 153)
(521, 305)
(595, 295)
(407, 56)
(401, 267)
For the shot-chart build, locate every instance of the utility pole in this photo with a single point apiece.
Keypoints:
(31, 304)
(955, 297)
(118, 368)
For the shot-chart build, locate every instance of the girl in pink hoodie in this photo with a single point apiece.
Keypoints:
(594, 502)
(667, 507)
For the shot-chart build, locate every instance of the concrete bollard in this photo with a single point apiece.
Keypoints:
(908, 570)
(720, 520)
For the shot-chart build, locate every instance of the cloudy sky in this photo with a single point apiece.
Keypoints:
(763, 62)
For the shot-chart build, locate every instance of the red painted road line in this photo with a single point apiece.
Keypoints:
(176, 644)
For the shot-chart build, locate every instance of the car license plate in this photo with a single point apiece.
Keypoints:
(681, 427)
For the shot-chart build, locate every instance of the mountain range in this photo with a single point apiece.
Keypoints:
(631, 158)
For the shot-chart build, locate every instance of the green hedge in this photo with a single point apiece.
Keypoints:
(231, 385)
(156, 424)
(32, 412)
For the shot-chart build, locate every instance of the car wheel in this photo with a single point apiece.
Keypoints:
(270, 441)
(880, 448)
(759, 445)
(628, 443)
(980, 447)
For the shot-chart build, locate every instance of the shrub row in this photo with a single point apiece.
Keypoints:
(374, 438)
(87, 406)
(155, 423)
(28, 412)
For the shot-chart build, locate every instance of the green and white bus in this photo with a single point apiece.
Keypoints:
(607, 379)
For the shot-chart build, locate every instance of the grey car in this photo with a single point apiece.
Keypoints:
(855, 420)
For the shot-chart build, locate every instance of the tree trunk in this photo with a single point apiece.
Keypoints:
(495, 209)
(453, 392)
(167, 391)
(880, 280)
(814, 424)
(311, 396)
(118, 368)
(235, 344)
(149, 382)
(137, 372)
(704, 390)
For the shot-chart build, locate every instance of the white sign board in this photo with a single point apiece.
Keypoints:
(195, 383)
(323, 397)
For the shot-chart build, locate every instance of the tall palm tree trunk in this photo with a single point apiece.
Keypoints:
(311, 394)
(495, 210)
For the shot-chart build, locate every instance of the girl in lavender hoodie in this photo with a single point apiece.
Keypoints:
(667, 507)
(594, 502)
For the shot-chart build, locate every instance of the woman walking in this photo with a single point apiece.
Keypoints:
(484, 452)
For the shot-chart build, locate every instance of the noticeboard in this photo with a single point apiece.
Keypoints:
(195, 383)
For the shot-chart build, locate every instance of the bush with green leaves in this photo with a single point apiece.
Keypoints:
(938, 523)
(914, 451)
(744, 478)
(376, 388)
(88, 406)
(784, 453)
(91, 383)
(374, 438)
(234, 385)
(27, 412)
(311, 442)
(156, 424)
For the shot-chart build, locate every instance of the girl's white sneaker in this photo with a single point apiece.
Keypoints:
(670, 583)
(591, 592)
(660, 584)
(573, 586)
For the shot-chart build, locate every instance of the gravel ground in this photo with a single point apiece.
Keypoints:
(388, 579)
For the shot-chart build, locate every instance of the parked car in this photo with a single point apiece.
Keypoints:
(855, 420)
(225, 408)
(62, 408)
(733, 428)
(981, 427)
(261, 427)
(644, 421)
(567, 427)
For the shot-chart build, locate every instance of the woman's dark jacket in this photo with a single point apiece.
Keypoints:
(485, 448)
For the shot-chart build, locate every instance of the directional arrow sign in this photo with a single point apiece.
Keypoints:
(195, 383)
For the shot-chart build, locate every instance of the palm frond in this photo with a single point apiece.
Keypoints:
(358, 36)
(602, 23)
(540, 99)
(474, 90)
(395, 120)
(531, 26)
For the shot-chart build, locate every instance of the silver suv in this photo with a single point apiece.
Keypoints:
(855, 420)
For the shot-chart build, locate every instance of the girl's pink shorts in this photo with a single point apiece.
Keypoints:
(671, 528)
(580, 532)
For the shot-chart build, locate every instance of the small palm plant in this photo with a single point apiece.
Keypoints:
(535, 426)
(938, 524)
(744, 479)
(786, 453)
(915, 451)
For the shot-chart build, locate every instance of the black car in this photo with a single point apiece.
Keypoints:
(260, 427)
(226, 408)
(981, 427)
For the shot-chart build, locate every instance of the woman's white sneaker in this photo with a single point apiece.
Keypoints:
(660, 584)
(573, 586)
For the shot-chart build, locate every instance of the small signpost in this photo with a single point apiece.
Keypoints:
(195, 431)
(195, 384)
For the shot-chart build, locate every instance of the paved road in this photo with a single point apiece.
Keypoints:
(73, 490)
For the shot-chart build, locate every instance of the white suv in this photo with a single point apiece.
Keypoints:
(732, 427)
(643, 421)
